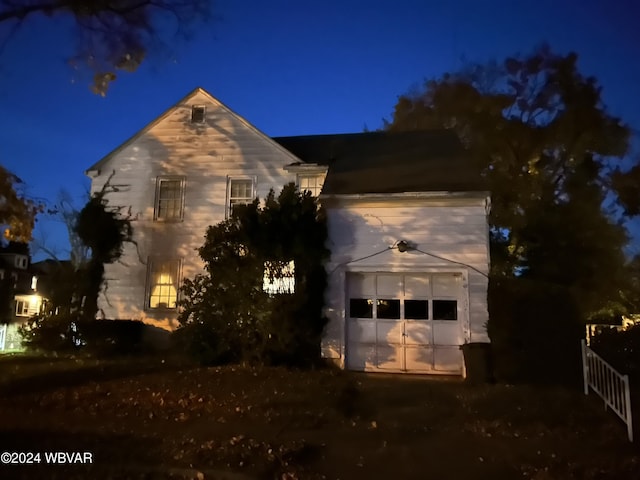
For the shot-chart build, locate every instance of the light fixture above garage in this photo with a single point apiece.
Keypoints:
(403, 246)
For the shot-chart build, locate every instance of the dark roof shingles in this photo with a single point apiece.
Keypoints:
(383, 162)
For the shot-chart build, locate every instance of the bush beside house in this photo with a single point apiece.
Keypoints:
(250, 306)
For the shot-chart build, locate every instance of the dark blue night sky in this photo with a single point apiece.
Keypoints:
(289, 69)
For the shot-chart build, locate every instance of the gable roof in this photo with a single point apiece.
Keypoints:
(385, 162)
(96, 167)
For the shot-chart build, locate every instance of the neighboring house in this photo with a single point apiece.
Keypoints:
(20, 281)
(407, 217)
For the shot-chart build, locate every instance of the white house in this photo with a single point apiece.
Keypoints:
(407, 228)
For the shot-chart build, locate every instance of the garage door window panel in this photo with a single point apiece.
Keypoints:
(416, 309)
(388, 309)
(445, 310)
(361, 308)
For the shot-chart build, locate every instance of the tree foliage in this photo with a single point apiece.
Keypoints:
(104, 230)
(549, 151)
(17, 213)
(547, 147)
(112, 35)
(226, 314)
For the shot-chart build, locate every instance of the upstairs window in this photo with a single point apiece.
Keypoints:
(162, 283)
(310, 183)
(198, 113)
(240, 192)
(169, 198)
(20, 261)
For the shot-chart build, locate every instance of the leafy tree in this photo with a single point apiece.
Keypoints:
(17, 213)
(226, 314)
(112, 34)
(104, 230)
(547, 148)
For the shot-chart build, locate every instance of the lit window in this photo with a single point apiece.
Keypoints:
(310, 183)
(169, 198)
(22, 308)
(163, 283)
(198, 113)
(279, 277)
(26, 306)
(34, 282)
(240, 192)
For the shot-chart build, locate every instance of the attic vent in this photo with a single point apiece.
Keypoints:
(197, 113)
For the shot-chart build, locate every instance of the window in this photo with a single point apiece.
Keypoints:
(240, 192)
(360, 308)
(28, 305)
(310, 183)
(22, 308)
(445, 310)
(20, 261)
(198, 113)
(416, 309)
(162, 284)
(169, 198)
(279, 277)
(388, 309)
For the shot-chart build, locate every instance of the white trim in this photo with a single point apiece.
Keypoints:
(306, 168)
(319, 177)
(230, 179)
(156, 204)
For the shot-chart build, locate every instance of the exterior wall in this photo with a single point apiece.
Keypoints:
(451, 226)
(10, 338)
(206, 155)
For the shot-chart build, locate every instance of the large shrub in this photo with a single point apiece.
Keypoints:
(226, 314)
(72, 333)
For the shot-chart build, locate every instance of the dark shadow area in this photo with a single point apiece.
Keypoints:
(76, 375)
(84, 454)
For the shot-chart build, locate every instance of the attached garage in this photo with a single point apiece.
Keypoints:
(410, 322)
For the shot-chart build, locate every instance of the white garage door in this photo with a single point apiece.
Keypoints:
(405, 323)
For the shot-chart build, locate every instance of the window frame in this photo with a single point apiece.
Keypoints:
(319, 182)
(196, 119)
(251, 198)
(156, 207)
(25, 308)
(150, 285)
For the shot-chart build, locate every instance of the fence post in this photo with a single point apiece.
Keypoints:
(627, 399)
(585, 367)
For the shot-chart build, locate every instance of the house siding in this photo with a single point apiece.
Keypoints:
(453, 228)
(363, 228)
(206, 155)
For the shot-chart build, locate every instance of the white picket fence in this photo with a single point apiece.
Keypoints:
(610, 385)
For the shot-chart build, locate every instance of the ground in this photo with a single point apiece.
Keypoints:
(148, 418)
